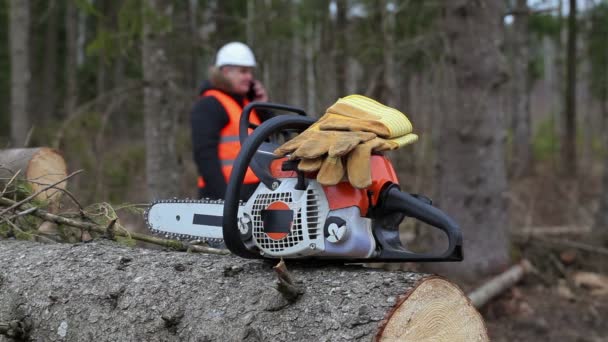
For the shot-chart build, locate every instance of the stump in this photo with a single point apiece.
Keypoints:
(104, 292)
(40, 166)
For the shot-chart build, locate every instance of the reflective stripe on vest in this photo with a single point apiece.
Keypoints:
(229, 145)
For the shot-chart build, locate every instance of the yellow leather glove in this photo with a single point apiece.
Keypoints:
(323, 151)
(313, 143)
(351, 128)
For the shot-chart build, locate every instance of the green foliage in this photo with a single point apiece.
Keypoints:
(121, 169)
(543, 24)
(5, 230)
(111, 40)
(536, 67)
(545, 141)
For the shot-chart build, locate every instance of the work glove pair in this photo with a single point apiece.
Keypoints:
(351, 129)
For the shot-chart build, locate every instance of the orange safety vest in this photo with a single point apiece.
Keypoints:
(230, 145)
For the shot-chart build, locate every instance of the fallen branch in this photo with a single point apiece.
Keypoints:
(578, 245)
(554, 230)
(93, 227)
(565, 243)
(495, 286)
(28, 198)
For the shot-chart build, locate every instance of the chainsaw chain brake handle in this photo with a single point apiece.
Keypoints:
(392, 206)
(264, 155)
(257, 153)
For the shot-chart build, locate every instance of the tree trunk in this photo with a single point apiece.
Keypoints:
(569, 162)
(49, 100)
(71, 67)
(103, 292)
(471, 166)
(295, 88)
(388, 55)
(311, 80)
(159, 92)
(20, 70)
(520, 85)
(41, 166)
(340, 55)
(600, 227)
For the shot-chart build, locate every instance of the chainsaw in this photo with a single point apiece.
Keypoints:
(291, 215)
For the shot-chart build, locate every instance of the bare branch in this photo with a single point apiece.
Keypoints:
(9, 182)
(39, 192)
(88, 226)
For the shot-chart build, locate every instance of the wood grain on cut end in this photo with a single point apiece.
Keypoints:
(435, 310)
(40, 166)
(47, 167)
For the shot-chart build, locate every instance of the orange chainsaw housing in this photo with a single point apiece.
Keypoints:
(343, 194)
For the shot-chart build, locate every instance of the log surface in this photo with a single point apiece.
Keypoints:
(104, 292)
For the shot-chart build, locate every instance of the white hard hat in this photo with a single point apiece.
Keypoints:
(235, 53)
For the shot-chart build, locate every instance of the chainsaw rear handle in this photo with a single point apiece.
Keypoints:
(249, 148)
(395, 200)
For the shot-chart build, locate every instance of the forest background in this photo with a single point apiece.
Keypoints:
(510, 98)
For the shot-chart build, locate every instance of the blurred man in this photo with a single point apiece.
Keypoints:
(215, 119)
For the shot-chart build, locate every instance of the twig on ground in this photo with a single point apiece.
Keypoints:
(285, 284)
(207, 250)
(45, 215)
(578, 245)
(110, 234)
(28, 198)
(9, 182)
(65, 191)
(22, 213)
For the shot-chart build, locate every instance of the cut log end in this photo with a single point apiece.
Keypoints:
(41, 166)
(435, 310)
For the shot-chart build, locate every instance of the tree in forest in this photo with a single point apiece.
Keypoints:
(597, 39)
(471, 166)
(20, 70)
(569, 163)
(160, 114)
(520, 96)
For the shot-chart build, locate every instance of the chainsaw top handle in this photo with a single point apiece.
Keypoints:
(256, 153)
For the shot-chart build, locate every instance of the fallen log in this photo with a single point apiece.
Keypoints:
(102, 291)
(500, 283)
(39, 167)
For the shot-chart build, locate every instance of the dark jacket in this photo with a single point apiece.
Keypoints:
(207, 119)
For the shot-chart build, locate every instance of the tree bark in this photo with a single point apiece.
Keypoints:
(104, 292)
(20, 70)
(569, 161)
(600, 226)
(71, 67)
(49, 100)
(311, 79)
(388, 55)
(40, 166)
(471, 166)
(340, 55)
(159, 107)
(520, 85)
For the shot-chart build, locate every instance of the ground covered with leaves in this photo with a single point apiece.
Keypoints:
(566, 297)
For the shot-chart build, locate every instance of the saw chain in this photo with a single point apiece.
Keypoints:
(186, 237)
